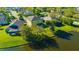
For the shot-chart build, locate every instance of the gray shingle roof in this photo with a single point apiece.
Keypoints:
(47, 18)
(17, 23)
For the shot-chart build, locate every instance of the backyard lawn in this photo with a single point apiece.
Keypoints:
(9, 41)
(67, 28)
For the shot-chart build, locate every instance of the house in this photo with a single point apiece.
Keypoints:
(33, 20)
(77, 8)
(27, 12)
(14, 27)
(15, 14)
(3, 20)
(37, 20)
(19, 9)
(47, 18)
(10, 8)
(75, 22)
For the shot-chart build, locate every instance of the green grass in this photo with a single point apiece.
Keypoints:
(8, 41)
(67, 28)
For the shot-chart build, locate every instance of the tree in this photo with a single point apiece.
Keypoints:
(68, 12)
(66, 20)
(25, 31)
(36, 11)
(21, 17)
(76, 16)
(51, 24)
(35, 35)
(56, 12)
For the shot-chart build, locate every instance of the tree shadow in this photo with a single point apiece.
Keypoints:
(74, 25)
(51, 42)
(59, 24)
(41, 44)
(42, 25)
(63, 34)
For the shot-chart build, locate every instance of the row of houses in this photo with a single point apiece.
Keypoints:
(14, 28)
(15, 25)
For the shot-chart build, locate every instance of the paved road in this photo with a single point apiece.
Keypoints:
(27, 19)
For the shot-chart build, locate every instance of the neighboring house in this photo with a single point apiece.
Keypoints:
(19, 9)
(34, 20)
(47, 18)
(14, 27)
(37, 20)
(55, 21)
(77, 8)
(15, 14)
(3, 20)
(27, 12)
(76, 22)
(10, 8)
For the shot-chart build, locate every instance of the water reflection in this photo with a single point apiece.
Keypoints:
(63, 34)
